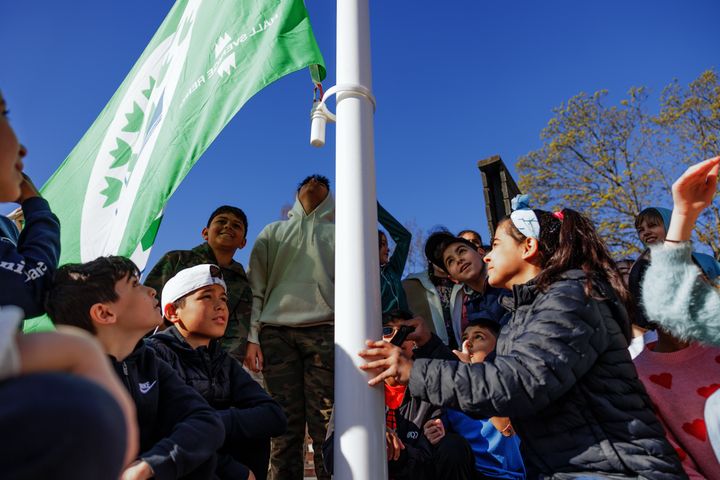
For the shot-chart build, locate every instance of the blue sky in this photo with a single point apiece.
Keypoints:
(455, 82)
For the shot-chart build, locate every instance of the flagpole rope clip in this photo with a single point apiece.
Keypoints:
(320, 114)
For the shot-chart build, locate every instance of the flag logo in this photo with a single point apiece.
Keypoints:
(228, 61)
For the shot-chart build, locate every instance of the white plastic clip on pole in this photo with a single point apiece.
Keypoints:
(320, 115)
(317, 126)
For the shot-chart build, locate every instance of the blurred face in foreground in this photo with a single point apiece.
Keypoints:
(11, 155)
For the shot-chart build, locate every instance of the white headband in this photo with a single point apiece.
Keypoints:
(524, 218)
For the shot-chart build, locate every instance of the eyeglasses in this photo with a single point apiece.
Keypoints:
(388, 331)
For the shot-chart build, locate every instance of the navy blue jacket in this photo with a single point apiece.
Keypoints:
(26, 270)
(179, 431)
(247, 411)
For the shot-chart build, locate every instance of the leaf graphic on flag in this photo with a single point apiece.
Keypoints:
(112, 191)
(146, 93)
(134, 119)
(121, 154)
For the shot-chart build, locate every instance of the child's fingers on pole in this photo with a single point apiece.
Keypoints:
(381, 378)
(379, 364)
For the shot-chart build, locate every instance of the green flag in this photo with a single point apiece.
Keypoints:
(205, 61)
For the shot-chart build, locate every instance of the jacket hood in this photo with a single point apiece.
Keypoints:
(665, 213)
(324, 212)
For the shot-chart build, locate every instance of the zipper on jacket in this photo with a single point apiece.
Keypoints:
(127, 376)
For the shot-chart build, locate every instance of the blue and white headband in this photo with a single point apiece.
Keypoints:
(523, 217)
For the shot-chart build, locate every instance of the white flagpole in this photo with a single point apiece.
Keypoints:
(359, 410)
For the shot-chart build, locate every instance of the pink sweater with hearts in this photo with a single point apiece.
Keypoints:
(679, 383)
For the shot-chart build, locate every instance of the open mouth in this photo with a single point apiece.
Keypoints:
(464, 267)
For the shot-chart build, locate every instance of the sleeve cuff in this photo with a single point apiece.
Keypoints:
(679, 252)
(254, 334)
(35, 205)
(162, 466)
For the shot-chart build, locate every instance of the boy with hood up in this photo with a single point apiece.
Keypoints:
(652, 225)
(292, 274)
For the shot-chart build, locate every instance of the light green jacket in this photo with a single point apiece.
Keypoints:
(292, 270)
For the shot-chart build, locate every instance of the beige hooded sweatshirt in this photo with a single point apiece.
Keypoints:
(292, 270)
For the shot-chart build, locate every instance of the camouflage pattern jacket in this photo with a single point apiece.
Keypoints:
(239, 293)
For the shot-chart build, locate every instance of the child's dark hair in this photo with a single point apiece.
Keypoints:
(651, 216)
(232, 211)
(471, 232)
(573, 243)
(491, 325)
(318, 178)
(78, 286)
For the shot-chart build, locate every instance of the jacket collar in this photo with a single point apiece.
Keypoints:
(206, 252)
(172, 335)
(526, 293)
(137, 352)
(523, 294)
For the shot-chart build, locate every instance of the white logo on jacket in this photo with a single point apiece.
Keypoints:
(146, 386)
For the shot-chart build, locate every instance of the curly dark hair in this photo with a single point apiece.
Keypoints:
(321, 179)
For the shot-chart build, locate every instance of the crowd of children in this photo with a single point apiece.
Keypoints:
(533, 357)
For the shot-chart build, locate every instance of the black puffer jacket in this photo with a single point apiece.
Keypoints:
(247, 411)
(564, 376)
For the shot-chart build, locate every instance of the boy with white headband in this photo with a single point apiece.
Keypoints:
(195, 302)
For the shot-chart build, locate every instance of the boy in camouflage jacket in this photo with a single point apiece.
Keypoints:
(225, 233)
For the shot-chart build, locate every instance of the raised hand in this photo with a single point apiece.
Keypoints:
(692, 193)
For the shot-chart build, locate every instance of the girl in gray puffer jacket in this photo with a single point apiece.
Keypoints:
(562, 372)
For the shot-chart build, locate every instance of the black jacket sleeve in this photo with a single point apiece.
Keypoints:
(435, 349)
(196, 431)
(254, 413)
(562, 337)
(27, 270)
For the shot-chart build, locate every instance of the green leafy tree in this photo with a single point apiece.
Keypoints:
(611, 161)
(690, 125)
